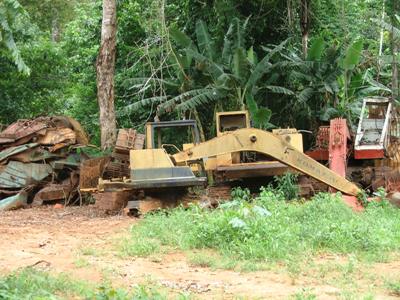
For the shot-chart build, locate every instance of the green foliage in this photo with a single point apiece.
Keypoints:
(329, 83)
(394, 288)
(39, 94)
(224, 78)
(353, 54)
(240, 194)
(179, 57)
(34, 284)
(10, 12)
(287, 185)
(269, 228)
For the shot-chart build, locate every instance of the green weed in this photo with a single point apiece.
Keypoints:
(270, 229)
(141, 247)
(81, 262)
(304, 294)
(394, 288)
(287, 185)
(89, 251)
(34, 284)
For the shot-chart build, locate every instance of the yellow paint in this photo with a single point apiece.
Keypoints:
(187, 146)
(149, 137)
(195, 167)
(149, 158)
(291, 136)
(232, 118)
(250, 139)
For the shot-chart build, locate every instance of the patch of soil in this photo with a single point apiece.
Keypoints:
(55, 239)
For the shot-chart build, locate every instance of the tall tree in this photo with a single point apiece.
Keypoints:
(395, 47)
(105, 66)
(305, 24)
(10, 10)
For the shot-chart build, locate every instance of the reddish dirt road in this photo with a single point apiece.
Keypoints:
(84, 242)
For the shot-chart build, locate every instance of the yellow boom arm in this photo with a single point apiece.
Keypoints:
(251, 139)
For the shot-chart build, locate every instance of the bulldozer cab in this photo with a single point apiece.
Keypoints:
(153, 168)
(373, 128)
(155, 130)
(231, 121)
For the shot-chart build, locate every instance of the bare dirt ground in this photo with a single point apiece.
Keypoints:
(83, 242)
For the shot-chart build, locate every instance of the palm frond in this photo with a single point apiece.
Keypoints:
(140, 82)
(263, 66)
(10, 10)
(170, 103)
(240, 65)
(353, 55)
(215, 69)
(305, 95)
(143, 103)
(389, 27)
(295, 75)
(260, 69)
(181, 38)
(206, 44)
(227, 48)
(278, 48)
(210, 96)
(377, 84)
(279, 90)
(316, 49)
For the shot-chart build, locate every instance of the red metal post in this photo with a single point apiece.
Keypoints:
(338, 136)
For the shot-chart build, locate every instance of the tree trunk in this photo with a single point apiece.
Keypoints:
(305, 24)
(395, 50)
(199, 125)
(55, 28)
(105, 67)
(290, 15)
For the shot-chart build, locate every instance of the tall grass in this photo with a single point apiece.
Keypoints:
(269, 228)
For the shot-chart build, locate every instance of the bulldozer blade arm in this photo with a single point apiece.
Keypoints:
(251, 139)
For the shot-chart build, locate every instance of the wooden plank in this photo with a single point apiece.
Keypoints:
(112, 201)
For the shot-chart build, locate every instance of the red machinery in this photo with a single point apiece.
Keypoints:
(368, 157)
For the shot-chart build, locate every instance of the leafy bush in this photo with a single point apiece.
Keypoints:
(287, 185)
(269, 228)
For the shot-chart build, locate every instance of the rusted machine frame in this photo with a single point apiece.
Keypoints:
(152, 126)
(250, 139)
(372, 151)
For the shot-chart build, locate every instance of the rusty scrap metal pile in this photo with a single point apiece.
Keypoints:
(39, 161)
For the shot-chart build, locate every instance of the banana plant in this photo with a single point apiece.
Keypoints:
(329, 80)
(220, 77)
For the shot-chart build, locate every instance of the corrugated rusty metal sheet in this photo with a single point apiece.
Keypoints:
(19, 175)
(90, 172)
(35, 155)
(22, 128)
(14, 202)
(81, 136)
(15, 150)
(57, 135)
(53, 192)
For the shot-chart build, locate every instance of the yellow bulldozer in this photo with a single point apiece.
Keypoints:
(238, 151)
